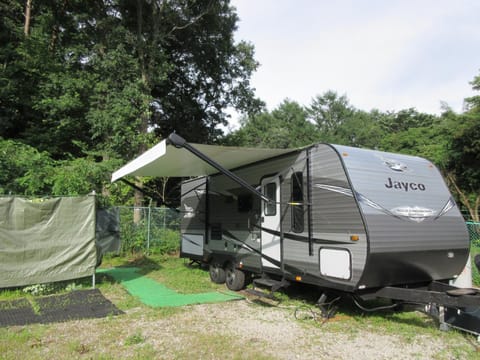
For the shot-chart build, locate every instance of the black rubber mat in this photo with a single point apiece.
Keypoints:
(75, 305)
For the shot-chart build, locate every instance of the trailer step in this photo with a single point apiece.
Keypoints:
(272, 284)
(261, 294)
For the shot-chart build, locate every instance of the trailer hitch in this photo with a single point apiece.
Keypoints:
(452, 307)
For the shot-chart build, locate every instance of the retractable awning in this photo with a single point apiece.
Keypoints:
(165, 159)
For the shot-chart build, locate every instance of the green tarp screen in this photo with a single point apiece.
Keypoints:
(48, 240)
(108, 230)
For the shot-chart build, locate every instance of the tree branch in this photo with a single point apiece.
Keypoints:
(193, 21)
(463, 198)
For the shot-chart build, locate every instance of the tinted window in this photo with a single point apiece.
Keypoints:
(245, 203)
(270, 207)
(297, 202)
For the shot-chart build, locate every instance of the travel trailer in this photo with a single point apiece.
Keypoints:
(360, 222)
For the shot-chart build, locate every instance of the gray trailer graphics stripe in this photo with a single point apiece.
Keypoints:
(299, 237)
(249, 248)
(416, 214)
(291, 269)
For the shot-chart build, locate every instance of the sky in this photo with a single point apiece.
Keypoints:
(387, 55)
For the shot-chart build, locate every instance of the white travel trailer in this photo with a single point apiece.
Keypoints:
(360, 222)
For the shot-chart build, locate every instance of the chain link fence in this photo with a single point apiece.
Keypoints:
(149, 230)
(474, 232)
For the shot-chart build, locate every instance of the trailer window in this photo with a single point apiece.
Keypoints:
(297, 202)
(270, 207)
(245, 203)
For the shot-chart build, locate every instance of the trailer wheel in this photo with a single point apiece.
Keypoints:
(217, 273)
(235, 278)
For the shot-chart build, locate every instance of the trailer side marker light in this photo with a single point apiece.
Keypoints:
(298, 278)
(354, 237)
(345, 154)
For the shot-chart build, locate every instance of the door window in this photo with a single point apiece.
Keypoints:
(270, 207)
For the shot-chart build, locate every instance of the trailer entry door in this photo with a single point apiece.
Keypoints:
(270, 233)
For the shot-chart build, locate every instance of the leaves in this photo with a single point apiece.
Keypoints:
(284, 127)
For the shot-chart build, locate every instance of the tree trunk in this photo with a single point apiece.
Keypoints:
(28, 10)
(138, 196)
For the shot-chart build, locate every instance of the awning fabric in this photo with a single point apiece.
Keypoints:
(167, 160)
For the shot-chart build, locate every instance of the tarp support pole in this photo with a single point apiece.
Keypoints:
(179, 142)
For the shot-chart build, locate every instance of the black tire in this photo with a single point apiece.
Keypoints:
(217, 273)
(235, 278)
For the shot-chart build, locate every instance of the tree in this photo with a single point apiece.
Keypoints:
(328, 112)
(25, 170)
(463, 167)
(114, 76)
(403, 120)
(174, 61)
(207, 71)
(285, 127)
(473, 103)
(360, 129)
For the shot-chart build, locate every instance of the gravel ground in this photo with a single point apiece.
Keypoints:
(276, 333)
(233, 330)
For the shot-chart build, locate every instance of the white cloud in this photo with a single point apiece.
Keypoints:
(388, 55)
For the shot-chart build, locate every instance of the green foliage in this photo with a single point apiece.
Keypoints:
(474, 233)
(165, 241)
(360, 129)
(473, 103)
(428, 142)
(328, 112)
(157, 233)
(134, 236)
(284, 127)
(56, 287)
(105, 73)
(81, 176)
(111, 78)
(25, 170)
(465, 151)
(464, 155)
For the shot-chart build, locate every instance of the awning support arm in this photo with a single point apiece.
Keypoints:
(179, 142)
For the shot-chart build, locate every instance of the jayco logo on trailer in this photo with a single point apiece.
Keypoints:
(404, 185)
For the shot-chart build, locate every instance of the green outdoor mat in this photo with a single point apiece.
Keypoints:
(154, 294)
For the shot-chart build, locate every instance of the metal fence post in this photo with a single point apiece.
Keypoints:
(148, 229)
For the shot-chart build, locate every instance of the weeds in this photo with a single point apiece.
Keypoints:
(134, 339)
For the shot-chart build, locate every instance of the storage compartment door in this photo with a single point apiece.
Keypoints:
(335, 263)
